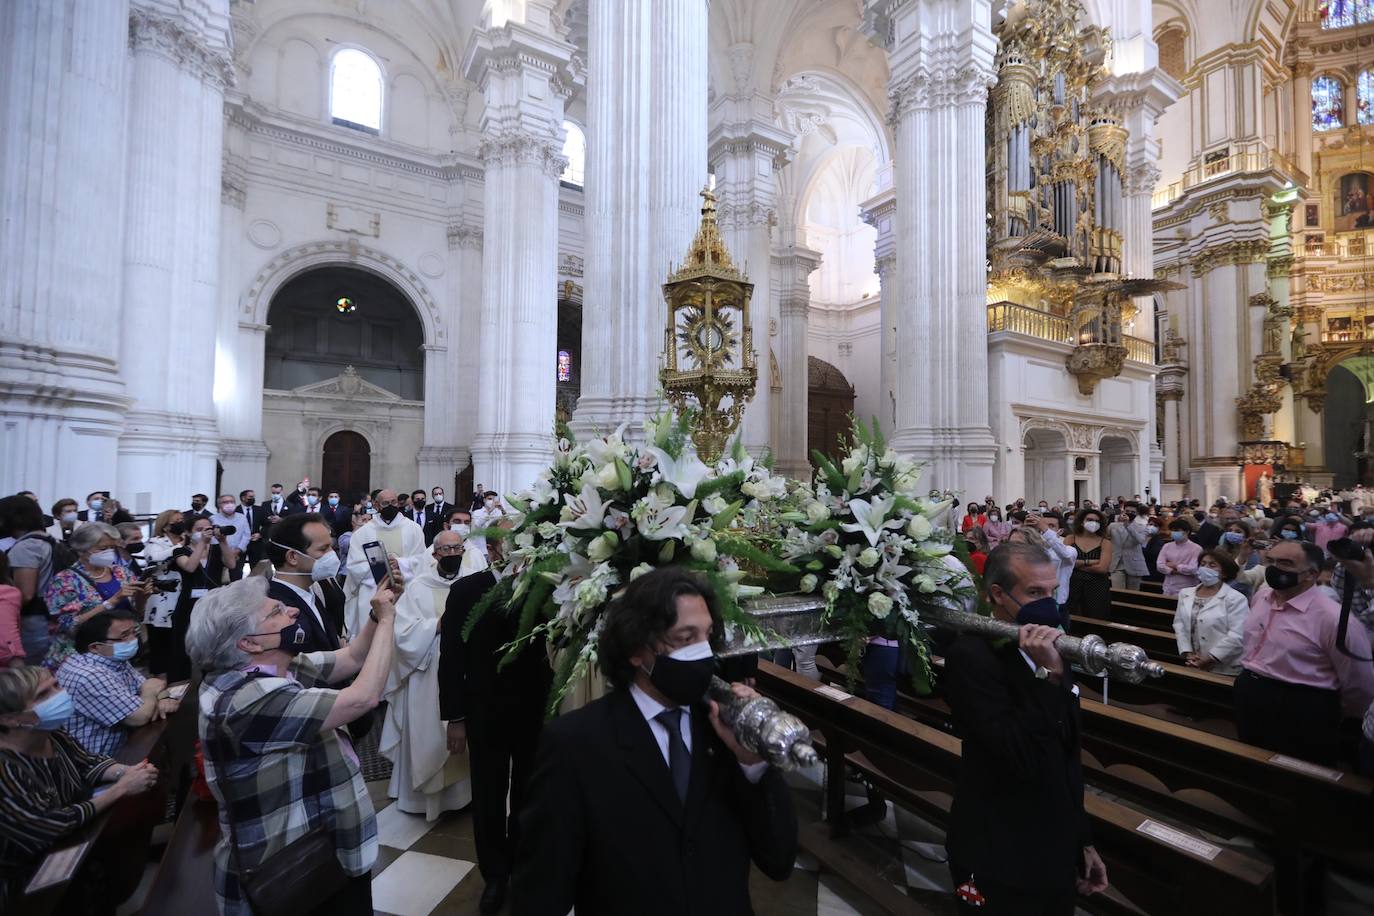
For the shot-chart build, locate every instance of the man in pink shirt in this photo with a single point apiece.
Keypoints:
(1330, 527)
(1296, 684)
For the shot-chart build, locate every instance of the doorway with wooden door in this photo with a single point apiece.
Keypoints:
(347, 465)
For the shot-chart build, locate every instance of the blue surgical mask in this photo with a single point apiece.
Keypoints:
(124, 650)
(1234, 537)
(1288, 534)
(333, 500)
(1179, 535)
(53, 712)
(1332, 517)
(1208, 576)
(97, 504)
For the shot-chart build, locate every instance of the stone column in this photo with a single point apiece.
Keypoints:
(646, 163)
(795, 265)
(941, 54)
(62, 138)
(1302, 114)
(880, 212)
(179, 68)
(745, 153)
(522, 70)
(441, 459)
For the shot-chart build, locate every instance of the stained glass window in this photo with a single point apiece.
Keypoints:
(1337, 14)
(1328, 103)
(355, 90)
(564, 366)
(1364, 97)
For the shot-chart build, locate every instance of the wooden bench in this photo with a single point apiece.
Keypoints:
(1155, 599)
(1186, 696)
(185, 881)
(1141, 615)
(1160, 645)
(917, 766)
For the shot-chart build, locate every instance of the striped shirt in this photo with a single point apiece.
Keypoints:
(43, 800)
(277, 773)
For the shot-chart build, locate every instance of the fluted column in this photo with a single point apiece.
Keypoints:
(522, 69)
(62, 137)
(794, 264)
(940, 55)
(880, 212)
(646, 163)
(1302, 114)
(179, 67)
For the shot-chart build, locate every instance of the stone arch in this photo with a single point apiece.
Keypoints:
(1030, 424)
(292, 262)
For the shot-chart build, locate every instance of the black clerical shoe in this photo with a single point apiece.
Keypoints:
(493, 897)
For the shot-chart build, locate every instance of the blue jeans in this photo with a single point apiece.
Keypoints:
(882, 666)
(33, 632)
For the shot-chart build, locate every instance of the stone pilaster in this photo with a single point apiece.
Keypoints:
(63, 69)
(940, 55)
(179, 67)
(880, 212)
(522, 69)
(794, 265)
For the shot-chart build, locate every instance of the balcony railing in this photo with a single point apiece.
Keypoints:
(1022, 319)
(1347, 335)
(1254, 156)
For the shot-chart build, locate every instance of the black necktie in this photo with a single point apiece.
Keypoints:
(679, 761)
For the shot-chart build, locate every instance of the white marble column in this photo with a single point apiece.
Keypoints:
(941, 54)
(745, 153)
(62, 137)
(795, 265)
(179, 67)
(646, 163)
(880, 212)
(1302, 115)
(522, 69)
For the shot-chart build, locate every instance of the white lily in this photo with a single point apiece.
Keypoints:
(659, 523)
(585, 511)
(602, 451)
(685, 473)
(870, 517)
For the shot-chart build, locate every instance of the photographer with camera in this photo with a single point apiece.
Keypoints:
(169, 533)
(197, 564)
(1354, 585)
(233, 535)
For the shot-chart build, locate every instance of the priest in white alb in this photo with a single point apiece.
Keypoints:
(425, 778)
(404, 542)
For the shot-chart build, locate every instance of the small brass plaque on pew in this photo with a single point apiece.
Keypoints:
(1178, 839)
(834, 693)
(59, 866)
(1304, 766)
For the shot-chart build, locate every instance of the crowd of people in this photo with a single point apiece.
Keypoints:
(295, 637)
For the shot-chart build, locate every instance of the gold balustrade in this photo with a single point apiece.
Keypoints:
(1253, 156)
(1138, 349)
(1022, 319)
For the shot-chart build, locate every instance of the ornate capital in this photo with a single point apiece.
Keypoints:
(1229, 254)
(1140, 178)
(186, 47)
(514, 147)
(746, 215)
(461, 235)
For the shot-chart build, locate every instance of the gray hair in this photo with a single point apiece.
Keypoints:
(220, 620)
(18, 687)
(86, 536)
(127, 529)
(998, 570)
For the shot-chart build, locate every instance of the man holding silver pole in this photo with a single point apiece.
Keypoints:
(1018, 838)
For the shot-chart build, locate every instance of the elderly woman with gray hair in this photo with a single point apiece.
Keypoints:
(277, 756)
(96, 582)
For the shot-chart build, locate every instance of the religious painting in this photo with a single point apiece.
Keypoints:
(1328, 103)
(1353, 202)
(1312, 220)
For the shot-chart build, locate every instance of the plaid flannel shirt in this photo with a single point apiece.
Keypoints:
(1362, 605)
(104, 691)
(278, 774)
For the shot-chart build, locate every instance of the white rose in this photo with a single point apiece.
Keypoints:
(808, 583)
(608, 478)
(830, 590)
(524, 539)
(920, 528)
(714, 504)
(753, 490)
(601, 548)
(868, 558)
(548, 530)
(924, 584)
(640, 570)
(704, 549)
(816, 511)
(879, 605)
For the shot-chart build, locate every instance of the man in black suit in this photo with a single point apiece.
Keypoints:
(1018, 836)
(418, 512)
(495, 714)
(200, 508)
(277, 506)
(1208, 535)
(337, 513)
(445, 520)
(101, 508)
(643, 801)
(438, 508)
(254, 521)
(301, 549)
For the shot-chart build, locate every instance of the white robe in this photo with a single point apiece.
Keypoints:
(403, 540)
(425, 778)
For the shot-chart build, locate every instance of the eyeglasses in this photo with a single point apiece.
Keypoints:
(449, 549)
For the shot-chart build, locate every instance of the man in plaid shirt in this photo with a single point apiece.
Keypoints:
(108, 696)
(277, 756)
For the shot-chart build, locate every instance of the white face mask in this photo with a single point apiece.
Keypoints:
(460, 528)
(1091, 527)
(326, 567)
(103, 559)
(1208, 576)
(197, 537)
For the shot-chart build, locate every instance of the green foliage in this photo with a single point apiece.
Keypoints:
(499, 596)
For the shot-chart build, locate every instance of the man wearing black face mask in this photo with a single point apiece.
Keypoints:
(642, 801)
(493, 712)
(1018, 836)
(404, 542)
(1296, 684)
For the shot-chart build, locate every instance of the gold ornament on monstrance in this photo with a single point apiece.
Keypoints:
(708, 346)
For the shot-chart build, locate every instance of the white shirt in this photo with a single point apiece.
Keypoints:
(649, 708)
(1063, 556)
(239, 539)
(307, 596)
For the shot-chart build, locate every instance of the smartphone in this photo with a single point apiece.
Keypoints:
(377, 561)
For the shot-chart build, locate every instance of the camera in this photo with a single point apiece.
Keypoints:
(1346, 549)
(226, 530)
(163, 579)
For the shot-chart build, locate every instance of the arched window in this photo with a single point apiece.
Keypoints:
(575, 148)
(355, 90)
(1328, 103)
(1364, 97)
(1173, 52)
(1337, 14)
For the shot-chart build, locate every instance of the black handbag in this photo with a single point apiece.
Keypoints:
(295, 880)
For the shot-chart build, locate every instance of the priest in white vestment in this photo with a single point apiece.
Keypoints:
(425, 778)
(404, 542)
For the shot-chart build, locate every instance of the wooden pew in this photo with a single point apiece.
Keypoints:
(1155, 599)
(917, 766)
(1187, 696)
(185, 881)
(1141, 615)
(1160, 645)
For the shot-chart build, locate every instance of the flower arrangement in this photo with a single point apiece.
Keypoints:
(608, 511)
(873, 547)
